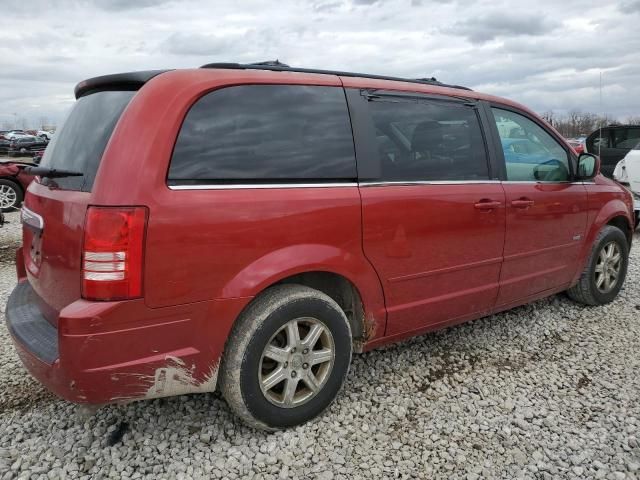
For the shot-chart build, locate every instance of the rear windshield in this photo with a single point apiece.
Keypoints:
(79, 144)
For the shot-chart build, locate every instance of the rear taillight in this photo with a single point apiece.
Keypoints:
(113, 251)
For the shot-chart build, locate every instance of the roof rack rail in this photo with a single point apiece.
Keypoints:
(277, 66)
(272, 63)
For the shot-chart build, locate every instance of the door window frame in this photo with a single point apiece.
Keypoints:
(499, 154)
(368, 159)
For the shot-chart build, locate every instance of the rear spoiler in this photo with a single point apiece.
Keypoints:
(116, 81)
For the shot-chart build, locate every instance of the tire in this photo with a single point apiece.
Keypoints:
(11, 195)
(587, 291)
(269, 321)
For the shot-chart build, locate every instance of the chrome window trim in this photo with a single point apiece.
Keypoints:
(533, 182)
(245, 186)
(426, 182)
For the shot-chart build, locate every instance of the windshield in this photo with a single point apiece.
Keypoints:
(79, 143)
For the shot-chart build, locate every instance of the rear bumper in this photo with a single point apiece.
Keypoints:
(105, 352)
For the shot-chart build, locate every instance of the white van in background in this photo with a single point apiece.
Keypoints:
(627, 172)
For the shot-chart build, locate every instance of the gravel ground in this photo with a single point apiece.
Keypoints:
(548, 390)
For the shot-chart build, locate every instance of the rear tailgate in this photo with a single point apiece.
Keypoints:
(55, 208)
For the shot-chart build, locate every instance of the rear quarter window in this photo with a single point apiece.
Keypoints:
(265, 134)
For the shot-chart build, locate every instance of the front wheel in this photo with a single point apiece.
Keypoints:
(604, 274)
(286, 358)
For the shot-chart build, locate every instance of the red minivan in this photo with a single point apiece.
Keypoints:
(248, 227)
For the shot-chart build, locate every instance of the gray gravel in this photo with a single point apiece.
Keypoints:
(548, 390)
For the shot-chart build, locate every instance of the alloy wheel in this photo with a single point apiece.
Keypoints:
(8, 197)
(296, 362)
(608, 267)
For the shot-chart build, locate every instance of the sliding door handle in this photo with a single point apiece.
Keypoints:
(487, 204)
(522, 203)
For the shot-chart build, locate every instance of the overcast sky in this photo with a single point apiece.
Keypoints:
(547, 54)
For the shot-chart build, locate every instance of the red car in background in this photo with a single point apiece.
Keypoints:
(577, 145)
(13, 184)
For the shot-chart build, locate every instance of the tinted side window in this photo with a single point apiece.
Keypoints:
(626, 138)
(530, 153)
(420, 140)
(598, 140)
(255, 133)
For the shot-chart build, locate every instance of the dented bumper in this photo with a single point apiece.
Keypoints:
(105, 352)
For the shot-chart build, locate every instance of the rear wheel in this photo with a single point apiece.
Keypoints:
(606, 269)
(10, 195)
(286, 358)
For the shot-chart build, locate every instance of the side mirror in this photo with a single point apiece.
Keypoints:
(36, 159)
(588, 166)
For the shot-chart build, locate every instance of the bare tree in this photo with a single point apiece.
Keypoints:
(577, 123)
(549, 117)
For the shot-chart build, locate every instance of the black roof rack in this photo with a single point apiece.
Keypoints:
(277, 66)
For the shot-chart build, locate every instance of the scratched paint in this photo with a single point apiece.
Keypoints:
(174, 378)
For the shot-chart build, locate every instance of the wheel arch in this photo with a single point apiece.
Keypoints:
(13, 180)
(344, 292)
(622, 222)
(614, 213)
(348, 279)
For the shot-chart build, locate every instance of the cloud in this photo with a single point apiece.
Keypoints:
(198, 44)
(491, 26)
(630, 6)
(117, 5)
(549, 61)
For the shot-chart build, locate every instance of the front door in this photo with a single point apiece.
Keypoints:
(546, 212)
(433, 219)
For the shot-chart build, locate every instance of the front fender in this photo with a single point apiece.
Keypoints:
(285, 262)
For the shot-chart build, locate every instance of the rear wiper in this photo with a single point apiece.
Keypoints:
(51, 172)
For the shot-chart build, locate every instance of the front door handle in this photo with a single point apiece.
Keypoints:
(487, 204)
(522, 203)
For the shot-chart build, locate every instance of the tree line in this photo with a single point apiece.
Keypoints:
(578, 124)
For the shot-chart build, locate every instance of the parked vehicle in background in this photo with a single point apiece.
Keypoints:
(577, 145)
(45, 134)
(627, 172)
(4, 146)
(13, 184)
(612, 143)
(26, 146)
(274, 221)
(11, 134)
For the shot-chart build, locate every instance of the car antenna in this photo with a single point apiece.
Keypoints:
(601, 113)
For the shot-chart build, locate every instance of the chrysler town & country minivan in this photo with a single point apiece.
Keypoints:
(248, 227)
